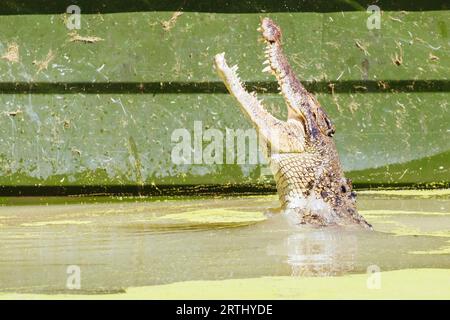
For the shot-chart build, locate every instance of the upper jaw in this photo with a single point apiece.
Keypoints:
(270, 31)
(302, 106)
(277, 65)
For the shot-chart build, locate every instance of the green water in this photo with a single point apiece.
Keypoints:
(123, 243)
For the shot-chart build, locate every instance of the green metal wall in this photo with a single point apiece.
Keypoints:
(76, 114)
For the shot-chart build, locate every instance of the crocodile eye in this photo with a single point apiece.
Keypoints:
(343, 189)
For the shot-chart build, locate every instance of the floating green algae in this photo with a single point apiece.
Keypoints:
(413, 192)
(441, 250)
(215, 216)
(399, 229)
(207, 218)
(55, 223)
(401, 212)
(405, 231)
(399, 284)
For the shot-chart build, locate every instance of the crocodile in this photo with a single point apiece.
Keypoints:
(301, 150)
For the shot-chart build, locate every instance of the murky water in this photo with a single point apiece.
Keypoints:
(126, 244)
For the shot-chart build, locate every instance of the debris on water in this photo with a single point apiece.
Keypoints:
(12, 53)
(75, 37)
(169, 24)
(43, 65)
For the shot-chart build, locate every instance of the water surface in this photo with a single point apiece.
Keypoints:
(135, 242)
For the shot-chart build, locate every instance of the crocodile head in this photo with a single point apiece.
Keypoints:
(302, 153)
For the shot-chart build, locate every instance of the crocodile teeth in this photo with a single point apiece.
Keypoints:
(267, 69)
(266, 62)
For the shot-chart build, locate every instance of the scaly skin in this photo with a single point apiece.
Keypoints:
(301, 151)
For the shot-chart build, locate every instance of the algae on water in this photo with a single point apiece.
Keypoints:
(399, 284)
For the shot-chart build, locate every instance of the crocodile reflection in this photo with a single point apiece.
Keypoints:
(320, 252)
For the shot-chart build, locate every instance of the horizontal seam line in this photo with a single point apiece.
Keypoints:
(345, 86)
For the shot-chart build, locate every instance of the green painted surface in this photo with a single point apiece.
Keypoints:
(434, 168)
(136, 48)
(63, 135)
(63, 140)
(420, 39)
